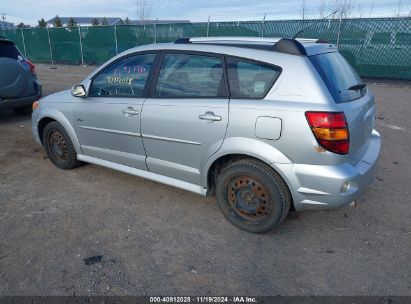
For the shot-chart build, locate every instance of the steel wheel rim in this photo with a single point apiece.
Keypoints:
(248, 198)
(57, 146)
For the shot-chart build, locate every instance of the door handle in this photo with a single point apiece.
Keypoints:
(210, 116)
(130, 111)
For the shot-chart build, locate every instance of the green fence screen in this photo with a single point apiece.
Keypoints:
(376, 47)
(65, 45)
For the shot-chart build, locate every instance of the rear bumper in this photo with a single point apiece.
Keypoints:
(316, 187)
(21, 102)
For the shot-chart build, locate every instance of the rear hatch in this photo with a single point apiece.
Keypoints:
(16, 77)
(352, 96)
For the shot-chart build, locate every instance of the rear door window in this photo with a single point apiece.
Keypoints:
(338, 76)
(250, 79)
(9, 50)
(190, 75)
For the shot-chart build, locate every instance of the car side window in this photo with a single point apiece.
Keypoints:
(189, 75)
(250, 79)
(125, 78)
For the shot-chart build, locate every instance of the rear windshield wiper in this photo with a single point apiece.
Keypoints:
(357, 87)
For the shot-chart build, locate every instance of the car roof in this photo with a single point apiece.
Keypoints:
(299, 46)
(233, 45)
(6, 41)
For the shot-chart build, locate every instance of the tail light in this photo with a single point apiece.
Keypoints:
(331, 130)
(32, 66)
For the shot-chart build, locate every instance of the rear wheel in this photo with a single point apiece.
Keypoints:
(59, 147)
(252, 196)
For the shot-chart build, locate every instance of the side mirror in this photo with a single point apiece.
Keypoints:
(78, 91)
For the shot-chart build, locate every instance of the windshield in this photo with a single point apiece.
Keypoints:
(339, 77)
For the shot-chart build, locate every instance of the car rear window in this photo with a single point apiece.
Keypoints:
(8, 49)
(338, 76)
(250, 79)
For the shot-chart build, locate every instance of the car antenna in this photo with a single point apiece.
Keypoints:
(311, 24)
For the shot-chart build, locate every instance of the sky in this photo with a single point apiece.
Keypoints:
(29, 11)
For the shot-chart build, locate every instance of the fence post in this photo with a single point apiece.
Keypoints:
(51, 53)
(24, 43)
(155, 31)
(339, 31)
(208, 25)
(81, 45)
(115, 37)
(262, 25)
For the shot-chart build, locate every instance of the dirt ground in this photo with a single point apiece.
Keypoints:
(158, 240)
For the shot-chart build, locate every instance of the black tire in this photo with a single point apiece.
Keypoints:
(252, 196)
(22, 110)
(59, 147)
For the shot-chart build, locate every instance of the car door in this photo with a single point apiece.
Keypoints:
(185, 118)
(108, 121)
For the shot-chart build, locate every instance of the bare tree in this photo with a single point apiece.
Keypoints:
(359, 10)
(143, 10)
(344, 7)
(398, 9)
(371, 10)
(303, 8)
(322, 9)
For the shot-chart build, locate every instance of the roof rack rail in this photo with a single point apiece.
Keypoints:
(281, 45)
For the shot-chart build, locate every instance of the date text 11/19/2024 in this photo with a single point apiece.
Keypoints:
(207, 299)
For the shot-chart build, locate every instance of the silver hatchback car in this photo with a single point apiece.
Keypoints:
(265, 125)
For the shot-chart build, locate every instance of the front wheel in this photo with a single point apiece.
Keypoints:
(252, 196)
(59, 147)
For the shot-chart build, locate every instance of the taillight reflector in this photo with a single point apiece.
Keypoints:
(331, 130)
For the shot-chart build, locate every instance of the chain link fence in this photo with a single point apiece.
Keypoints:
(376, 47)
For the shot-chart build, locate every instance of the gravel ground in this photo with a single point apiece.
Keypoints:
(155, 239)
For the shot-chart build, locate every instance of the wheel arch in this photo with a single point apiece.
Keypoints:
(51, 115)
(227, 159)
(234, 149)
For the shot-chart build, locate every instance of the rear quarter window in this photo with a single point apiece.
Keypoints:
(9, 50)
(250, 79)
